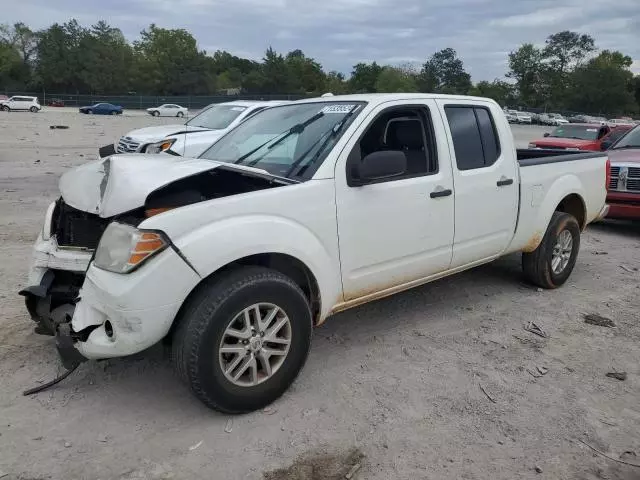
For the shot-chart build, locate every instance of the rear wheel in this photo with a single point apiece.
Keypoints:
(33, 109)
(180, 114)
(242, 339)
(550, 265)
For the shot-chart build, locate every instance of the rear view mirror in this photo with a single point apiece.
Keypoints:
(381, 165)
(546, 134)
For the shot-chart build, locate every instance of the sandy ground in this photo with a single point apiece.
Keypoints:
(393, 387)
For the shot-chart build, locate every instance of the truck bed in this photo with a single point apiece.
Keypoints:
(539, 156)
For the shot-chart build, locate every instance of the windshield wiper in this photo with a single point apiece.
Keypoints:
(332, 132)
(281, 137)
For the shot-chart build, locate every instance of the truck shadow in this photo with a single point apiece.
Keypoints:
(617, 227)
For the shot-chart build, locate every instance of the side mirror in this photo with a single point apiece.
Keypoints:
(380, 165)
(605, 145)
(546, 134)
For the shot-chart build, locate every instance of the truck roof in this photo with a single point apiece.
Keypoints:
(378, 98)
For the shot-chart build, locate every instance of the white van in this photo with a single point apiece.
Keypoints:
(21, 103)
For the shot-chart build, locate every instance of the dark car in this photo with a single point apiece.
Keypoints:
(102, 109)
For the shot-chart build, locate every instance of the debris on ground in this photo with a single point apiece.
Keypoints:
(193, 447)
(67, 444)
(538, 469)
(534, 374)
(599, 320)
(485, 392)
(608, 456)
(628, 269)
(629, 454)
(600, 253)
(58, 127)
(622, 376)
(229, 426)
(535, 329)
(269, 410)
(321, 466)
(542, 370)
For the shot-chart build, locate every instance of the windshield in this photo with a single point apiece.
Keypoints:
(630, 140)
(217, 117)
(287, 141)
(579, 132)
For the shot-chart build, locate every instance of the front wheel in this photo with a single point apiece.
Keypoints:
(33, 109)
(6, 109)
(242, 339)
(155, 113)
(550, 265)
(114, 112)
(89, 112)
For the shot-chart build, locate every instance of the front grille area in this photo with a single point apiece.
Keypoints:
(127, 145)
(75, 228)
(625, 179)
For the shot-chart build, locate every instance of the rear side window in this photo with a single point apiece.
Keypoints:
(474, 136)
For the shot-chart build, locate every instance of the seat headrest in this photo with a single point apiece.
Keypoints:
(404, 134)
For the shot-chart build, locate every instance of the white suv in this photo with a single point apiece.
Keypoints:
(21, 103)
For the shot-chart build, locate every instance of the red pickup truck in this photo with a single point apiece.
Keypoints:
(581, 136)
(624, 185)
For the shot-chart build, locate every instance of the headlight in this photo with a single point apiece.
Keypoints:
(124, 248)
(533, 145)
(160, 147)
(46, 227)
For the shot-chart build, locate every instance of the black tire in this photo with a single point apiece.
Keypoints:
(114, 112)
(33, 109)
(180, 114)
(204, 319)
(155, 113)
(6, 109)
(537, 264)
(89, 112)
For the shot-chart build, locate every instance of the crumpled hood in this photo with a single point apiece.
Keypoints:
(155, 134)
(121, 183)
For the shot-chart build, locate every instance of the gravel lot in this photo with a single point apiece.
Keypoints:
(393, 385)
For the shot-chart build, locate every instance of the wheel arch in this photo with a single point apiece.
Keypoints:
(574, 205)
(288, 265)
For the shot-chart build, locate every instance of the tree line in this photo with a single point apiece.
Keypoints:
(567, 73)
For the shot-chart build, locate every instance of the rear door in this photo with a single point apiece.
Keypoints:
(485, 178)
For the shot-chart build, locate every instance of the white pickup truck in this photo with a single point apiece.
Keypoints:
(304, 210)
(192, 138)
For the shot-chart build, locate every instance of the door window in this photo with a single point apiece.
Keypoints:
(474, 136)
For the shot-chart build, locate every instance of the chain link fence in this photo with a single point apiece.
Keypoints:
(145, 101)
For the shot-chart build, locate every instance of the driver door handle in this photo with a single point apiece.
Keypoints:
(441, 193)
(503, 182)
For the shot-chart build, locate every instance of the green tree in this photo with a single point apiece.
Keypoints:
(604, 84)
(498, 90)
(306, 75)
(444, 73)
(364, 77)
(525, 67)
(335, 83)
(395, 80)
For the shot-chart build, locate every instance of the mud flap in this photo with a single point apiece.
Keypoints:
(69, 356)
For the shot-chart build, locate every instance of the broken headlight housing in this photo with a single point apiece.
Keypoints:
(124, 248)
(160, 147)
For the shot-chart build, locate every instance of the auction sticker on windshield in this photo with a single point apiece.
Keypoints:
(341, 108)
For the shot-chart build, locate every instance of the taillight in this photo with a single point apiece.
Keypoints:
(608, 175)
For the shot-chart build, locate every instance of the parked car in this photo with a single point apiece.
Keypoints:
(511, 116)
(523, 117)
(102, 109)
(574, 136)
(19, 102)
(557, 119)
(303, 210)
(620, 121)
(55, 102)
(196, 135)
(3, 97)
(168, 110)
(624, 187)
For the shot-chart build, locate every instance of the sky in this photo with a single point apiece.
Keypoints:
(341, 33)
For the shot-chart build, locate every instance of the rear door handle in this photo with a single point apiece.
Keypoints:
(503, 182)
(441, 193)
